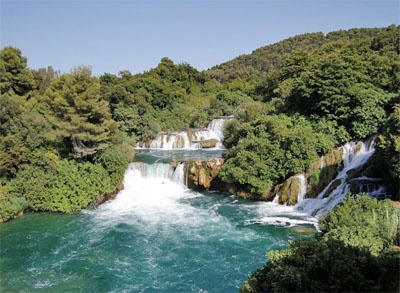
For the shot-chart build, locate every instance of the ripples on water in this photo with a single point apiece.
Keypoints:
(155, 236)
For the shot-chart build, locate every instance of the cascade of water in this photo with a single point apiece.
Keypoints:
(160, 171)
(146, 188)
(276, 198)
(217, 126)
(355, 155)
(176, 140)
(372, 186)
(179, 174)
(303, 188)
(184, 140)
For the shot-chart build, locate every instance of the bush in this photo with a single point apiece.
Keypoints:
(10, 205)
(351, 255)
(325, 266)
(69, 189)
(115, 160)
(363, 222)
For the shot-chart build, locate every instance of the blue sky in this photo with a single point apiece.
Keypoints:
(134, 35)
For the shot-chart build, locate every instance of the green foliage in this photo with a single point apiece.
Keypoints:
(69, 188)
(23, 132)
(388, 152)
(351, 255)
(325, 266)
(10, 205)
(78, 114)
(364, 223)
(43, 78)
(345, 80)
(15, 77)
(115, 160)
(169, 97)
(226, 102)
(272, 148)
(263, 60)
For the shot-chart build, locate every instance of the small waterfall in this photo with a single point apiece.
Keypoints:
(303, 188)
(292, 191)
(192, 139)
(179, 174)
(276, 198)
(355, 155)
(161, 171)
(176, 140)
(372, 186)
(217, 126)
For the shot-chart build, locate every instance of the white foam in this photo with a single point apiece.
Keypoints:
(281, 221)
(355, 154)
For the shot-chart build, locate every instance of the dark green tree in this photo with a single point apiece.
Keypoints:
(14, 74)
(79, 115)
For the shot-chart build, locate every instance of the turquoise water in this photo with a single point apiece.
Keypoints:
(155, 236)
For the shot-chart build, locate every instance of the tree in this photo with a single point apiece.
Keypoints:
(364, 223)
(79, 115)
(23, 132)
(274, 147)
(14, 74)
(388, 153)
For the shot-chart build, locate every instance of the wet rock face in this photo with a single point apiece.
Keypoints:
(323, 171)
(289, 191)
(203, 174)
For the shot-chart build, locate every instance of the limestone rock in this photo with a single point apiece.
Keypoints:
(203, 174)
(289, 191)
(209, 143)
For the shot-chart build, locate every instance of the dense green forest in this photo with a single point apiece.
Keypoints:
(66, 139)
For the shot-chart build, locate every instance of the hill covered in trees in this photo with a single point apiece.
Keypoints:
(66, 139)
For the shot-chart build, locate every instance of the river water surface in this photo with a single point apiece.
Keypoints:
(155, 236)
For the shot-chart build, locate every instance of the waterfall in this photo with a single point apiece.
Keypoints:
(179, 174)
(160, 171)
(372, 186)
(303, 188)
(192, 139)
(355, 155)
(147, 187)
(176, 140)
(217, 126)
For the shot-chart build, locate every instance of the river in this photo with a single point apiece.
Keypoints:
(157, 235)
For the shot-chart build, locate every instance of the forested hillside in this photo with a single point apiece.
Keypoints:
(66, 139)
(345, 89)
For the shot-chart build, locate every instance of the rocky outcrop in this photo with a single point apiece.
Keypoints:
(209, 143)
(318, 176)
(323, 171)
(203, 174)
(289, 191)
